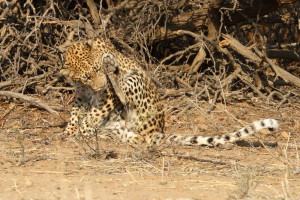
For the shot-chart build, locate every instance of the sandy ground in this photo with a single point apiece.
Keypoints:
(36, 164)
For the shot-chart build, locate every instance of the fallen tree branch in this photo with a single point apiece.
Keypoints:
(33, 100)
(239, 48)
(258, 56)
(94, 12)
(288, 77)
(6, 83)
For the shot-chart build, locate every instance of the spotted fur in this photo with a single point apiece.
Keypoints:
(93, 66)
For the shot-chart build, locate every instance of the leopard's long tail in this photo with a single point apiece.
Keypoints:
(199, 140)
(116, 129)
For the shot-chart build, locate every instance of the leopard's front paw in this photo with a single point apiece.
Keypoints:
(69, 131)
(110, 63)
(87, 132)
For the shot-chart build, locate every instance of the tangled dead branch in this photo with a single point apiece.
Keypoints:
(197, 47)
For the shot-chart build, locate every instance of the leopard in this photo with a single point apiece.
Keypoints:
(114, 92)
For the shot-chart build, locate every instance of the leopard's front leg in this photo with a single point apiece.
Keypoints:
(79, 109)
(72, 127)
(102, 104)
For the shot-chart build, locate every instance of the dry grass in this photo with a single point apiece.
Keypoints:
(35, 165)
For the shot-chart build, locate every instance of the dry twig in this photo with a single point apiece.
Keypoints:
(32, 100)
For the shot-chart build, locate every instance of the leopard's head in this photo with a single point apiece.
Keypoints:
(82, 64)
